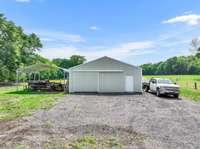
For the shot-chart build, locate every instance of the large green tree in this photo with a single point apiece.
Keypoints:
(77, 60)
(16, 48)
(72, 61)
(67, 63)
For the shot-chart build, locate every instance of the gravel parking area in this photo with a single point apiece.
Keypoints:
(139, 121)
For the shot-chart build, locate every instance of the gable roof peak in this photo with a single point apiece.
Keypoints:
(105, 57)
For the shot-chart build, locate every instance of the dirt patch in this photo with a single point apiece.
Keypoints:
(34, 138)
(126, 136)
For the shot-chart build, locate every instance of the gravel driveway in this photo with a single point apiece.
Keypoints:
(157, 123)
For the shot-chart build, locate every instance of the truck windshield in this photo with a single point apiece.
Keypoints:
(165, 81)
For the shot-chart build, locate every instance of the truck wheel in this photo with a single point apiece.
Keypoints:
(146, 89)
(176, 95)
(158, 93)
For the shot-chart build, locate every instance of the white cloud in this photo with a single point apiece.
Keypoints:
(25, 1)
(172, 40)
(190, 19)
(188, 12)
(94, 28)
(46, 39)
(22, 1)
(63, 37)
(60, 52)
(121, 51)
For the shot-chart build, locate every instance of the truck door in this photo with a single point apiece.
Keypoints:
(153, 85)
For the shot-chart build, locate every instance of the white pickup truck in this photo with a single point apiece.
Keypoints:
(162, 86)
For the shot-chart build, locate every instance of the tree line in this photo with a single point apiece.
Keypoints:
(173, 66)
(181, 65)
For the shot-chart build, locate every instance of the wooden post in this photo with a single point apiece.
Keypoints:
(34, 76)
(39, 76)
(195, 85)
(17, 81)
(65, 86)
(48, 74)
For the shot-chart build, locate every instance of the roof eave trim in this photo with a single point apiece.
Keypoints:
(97, 70)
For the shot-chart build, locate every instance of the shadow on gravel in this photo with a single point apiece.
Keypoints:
(31, 92)
(106, 94)
(167, 97)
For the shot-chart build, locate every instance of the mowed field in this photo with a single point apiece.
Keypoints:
(187, 84)
(14, 104)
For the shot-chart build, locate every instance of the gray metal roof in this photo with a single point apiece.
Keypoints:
(40, 67)
(106, 57)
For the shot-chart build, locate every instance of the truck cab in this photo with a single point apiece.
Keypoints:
(164, 86)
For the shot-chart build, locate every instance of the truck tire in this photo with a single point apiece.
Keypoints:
(157, 92)
(146, 89)
(176, 95)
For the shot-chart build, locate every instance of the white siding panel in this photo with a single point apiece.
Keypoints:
(85, 81)
(111, 82)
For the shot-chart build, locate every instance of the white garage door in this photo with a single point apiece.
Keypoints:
(111, 82)
(85, 81)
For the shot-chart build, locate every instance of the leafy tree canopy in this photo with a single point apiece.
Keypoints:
(175, 65)
(67, 63)
(16, 48)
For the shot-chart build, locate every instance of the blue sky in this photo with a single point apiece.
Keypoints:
(135, 31)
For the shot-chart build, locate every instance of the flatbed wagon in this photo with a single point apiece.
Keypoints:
(45, 85)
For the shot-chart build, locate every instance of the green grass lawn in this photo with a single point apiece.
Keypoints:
(186, 83)
(14, 104)
(83, 142)
(92, 142)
